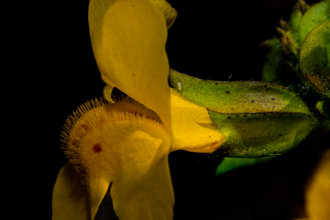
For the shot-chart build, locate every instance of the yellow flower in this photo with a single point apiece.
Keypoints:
(125, 145)
(317, 194)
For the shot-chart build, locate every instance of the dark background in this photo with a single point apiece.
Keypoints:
(210, 39)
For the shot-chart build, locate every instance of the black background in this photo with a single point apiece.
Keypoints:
(211, 40)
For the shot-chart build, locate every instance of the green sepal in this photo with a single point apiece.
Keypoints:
(295, 20)
(273, 64)
(261, 134)
(237, 96)
(315, 58)
(231, 163)
(314, 16)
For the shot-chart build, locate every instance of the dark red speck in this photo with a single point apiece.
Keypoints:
(97, 148)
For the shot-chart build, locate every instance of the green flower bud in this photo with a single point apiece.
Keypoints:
(301, 55)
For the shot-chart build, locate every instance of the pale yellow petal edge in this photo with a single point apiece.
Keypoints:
(167, 10)
(318, 190)
(192, 127)
(70, 198)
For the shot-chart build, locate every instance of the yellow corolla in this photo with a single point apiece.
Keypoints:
(126, 144)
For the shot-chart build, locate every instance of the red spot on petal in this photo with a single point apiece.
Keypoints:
(84, 126)
(75, 142)
(97, 148)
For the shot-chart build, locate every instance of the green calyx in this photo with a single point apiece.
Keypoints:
(258, 119)
(237, 96)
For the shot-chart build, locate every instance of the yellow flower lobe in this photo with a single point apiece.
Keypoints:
(90, 121)
(124, 144)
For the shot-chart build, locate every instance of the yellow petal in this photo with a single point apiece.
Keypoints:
(107, 92)
(124, 145)
(128, 40)
(192, 127)
(168, 12)
(318, 192)
(97, 189)
(70, 199)
(150, 197)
